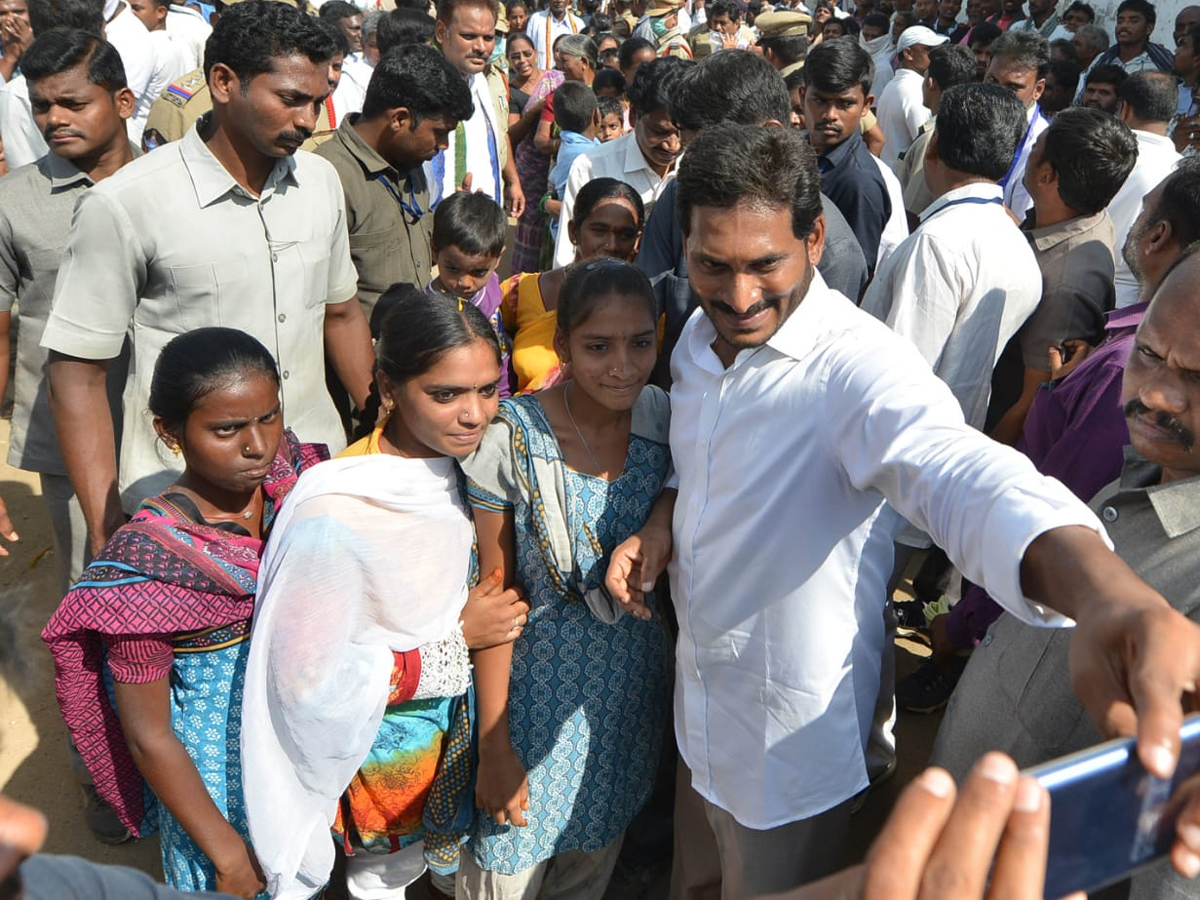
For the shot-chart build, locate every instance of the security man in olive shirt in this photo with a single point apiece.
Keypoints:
(414, 100)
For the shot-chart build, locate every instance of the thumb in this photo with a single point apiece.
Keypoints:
(466, 183)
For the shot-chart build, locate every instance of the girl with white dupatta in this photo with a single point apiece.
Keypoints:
(357, 715)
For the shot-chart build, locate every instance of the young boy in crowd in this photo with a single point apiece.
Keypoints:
(612, 119)
(469, 236)
(577, 115)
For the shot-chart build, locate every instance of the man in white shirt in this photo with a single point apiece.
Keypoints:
(644, 158)
(1043, 18)
(1147, 104)
(174, 55)
(147, 77)
(547, 24)
(187, 25)
(795, 415)
(901, 109)
(1020, 61)
(479, 147)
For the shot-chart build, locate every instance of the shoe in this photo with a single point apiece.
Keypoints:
(910, 615)
(929, 688)
(102, 819)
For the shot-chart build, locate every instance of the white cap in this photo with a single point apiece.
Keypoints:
(919, 34)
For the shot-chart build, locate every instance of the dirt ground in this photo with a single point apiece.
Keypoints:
(33, 758)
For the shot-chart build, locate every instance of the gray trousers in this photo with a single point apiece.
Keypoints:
(72, 552)
(718, 858)
(571, 875)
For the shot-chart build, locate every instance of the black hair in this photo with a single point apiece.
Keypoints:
(608, 79)
(598, 190)
(789, 49)
(402, 27)
(336, 10)
(416, 331)
(473, 222)
(909, 18)
(951, 64)
(773, 167)
(724, 8)
(1112, 74)
(654, 84)
(418, 78)
(1093, 153)
(63, 49)
(1066, 49)
(85, 15)
(518, 36)
(849, 26)
(979, 129)
(1066, 75)
(386, 301)
(610, 106)
(194, 364)
(341, 44)
(630, 48)
(588, 283)
(1179, 203)
(1145, 8)
(839, 66)
(599, 24)
(877, 20)
(421, 6)
(1151, 96)
(985, 33)
(1027, 49)
(524, 4)
(1081, 7)
(732, 86)
(250, 35)
(793, 81)
(446, 8)
(574, 106)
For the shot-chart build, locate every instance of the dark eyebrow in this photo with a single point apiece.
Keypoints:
(609, 337)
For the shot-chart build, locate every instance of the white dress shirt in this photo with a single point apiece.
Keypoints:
(126, 32)
(784, 461)
(621, 159)
(901, 111)
(959, 288)
(23, 142)
(187, 25)
(1156, 160)
(537, 29)
(1016, 197)
(483, 134)
(895, 229)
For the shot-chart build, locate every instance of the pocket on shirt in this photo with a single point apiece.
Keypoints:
(314, 257)
(197, 296)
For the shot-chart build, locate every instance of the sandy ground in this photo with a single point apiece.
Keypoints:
(33, 759)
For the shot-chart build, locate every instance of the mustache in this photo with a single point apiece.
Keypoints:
(62, 129)
(1165, 421)
(761, 306)
(299, 135)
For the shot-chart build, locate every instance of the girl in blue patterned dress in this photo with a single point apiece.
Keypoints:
(571, 715)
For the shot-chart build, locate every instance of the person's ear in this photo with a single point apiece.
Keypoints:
(402, 119)
(170, 441)
(596, 119)
(439, 32)
(1038, 89)
(815, 242)
(1161, 239)
(560, 346)
(387, 391)
(222, 83)
(126, 102)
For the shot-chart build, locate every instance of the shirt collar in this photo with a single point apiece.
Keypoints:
(985, 190)
(1153, 140)
(634, 160)
(574, 137)
(366, 155)
(1176, 503)
(211, 180)
(1125, 317)
(64, 173)
(1052, 235)
(842, 151)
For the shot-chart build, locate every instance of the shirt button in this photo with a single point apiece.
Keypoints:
(274, 257)
(987, 639)
(282, 317)
(1109, 514)
(286, 374)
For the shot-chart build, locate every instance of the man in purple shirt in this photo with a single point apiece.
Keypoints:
(1076, 430)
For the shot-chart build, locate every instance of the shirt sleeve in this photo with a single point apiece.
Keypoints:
(99, 281)
(343, 278)
(10, 271)
(923, 290)
(899, 430)
(661, 244)
(548, 109)
(139, 659)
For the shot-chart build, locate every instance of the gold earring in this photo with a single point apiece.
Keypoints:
(176, 449)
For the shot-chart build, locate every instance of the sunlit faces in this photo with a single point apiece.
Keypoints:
(612, 126)
(445, 411)
(468, 38)
(276, 111)
(574, 68)
(522, 59)
(1100, 95)
(723, 24)
(609, 230)
(1022, 81)
(749, 270)
(833, 117)
(1132, 28)
(336, 62)
(1161, 389)
(463, 274)
(149, 13)
(612, 351)
(657, 138)
(231, 436)
(78, 118)
(351, 27)
(518, 18)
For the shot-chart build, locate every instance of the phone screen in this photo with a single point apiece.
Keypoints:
(1108, 815)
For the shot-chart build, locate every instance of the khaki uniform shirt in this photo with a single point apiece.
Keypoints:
(172, 243)
(674, 43)
(910, 169)
(187, 99)
(387, 243)
(36, 203)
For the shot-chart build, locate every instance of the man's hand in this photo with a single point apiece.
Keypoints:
(1065, 359)
(634, 567)
(15, 37)
(501, 786)
(493, 615)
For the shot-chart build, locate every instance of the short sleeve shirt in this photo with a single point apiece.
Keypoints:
(172, 243)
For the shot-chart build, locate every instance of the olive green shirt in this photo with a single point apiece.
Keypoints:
(388, 243)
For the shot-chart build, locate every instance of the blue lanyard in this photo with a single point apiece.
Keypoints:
(1037, 114)
(962, 201)
(411, 209)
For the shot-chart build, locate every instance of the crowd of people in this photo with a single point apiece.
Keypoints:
(566, 453)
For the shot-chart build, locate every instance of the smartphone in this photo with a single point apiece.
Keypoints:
(1109, 817)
